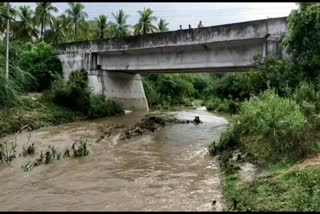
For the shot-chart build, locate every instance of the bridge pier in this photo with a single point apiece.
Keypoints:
(125, 88)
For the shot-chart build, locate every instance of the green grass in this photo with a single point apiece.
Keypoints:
(35, 113)
(297, 190)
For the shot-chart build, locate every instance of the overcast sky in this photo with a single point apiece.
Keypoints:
(186, 13)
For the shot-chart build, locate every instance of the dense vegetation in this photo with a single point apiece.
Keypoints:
(43, 24)
(166, 90)
(35, 67)
(277, 122)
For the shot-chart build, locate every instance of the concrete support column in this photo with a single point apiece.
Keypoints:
(125, 88)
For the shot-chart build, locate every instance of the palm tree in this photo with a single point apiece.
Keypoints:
(25, 29)
(144, 24)
(86, 31)
(102, 26)
(76, 15)
(58, 29)
(120, 28)
(3, 20)
(162, 25)
(43, 15)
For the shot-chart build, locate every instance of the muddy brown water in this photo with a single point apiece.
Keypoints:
(168, 170)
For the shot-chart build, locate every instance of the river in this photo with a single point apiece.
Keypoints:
(168, 170)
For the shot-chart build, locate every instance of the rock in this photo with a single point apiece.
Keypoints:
(197, 120)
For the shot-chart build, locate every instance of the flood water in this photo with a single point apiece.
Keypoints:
(168, 170)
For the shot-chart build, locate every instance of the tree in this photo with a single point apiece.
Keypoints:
(120, 28)
(3, 19)
(42, 62)
(86, 31)
(102, 26)
(58, 30)
(302, 40)
(76, 15)
(43, 15)
(144, 24)
(25, 29)
(162, 25)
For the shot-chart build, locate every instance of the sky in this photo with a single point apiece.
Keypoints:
(186, 13)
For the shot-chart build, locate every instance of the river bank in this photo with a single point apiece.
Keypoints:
(35, 113)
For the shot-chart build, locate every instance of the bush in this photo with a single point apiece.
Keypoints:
(228, 141)
(100, 107)
(219, 105)
(306, 95)
(174, 89)
(41, 61)
(73, 94)
(231, 86)
(271, 127)
(76, 95)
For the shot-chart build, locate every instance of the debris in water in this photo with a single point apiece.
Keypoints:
(197, 120)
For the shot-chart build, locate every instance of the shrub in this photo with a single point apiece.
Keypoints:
(271, 127)
(231, 86)
(228, 141)
(306, 95)
(73, 94)
(222, 105)
(76, 95)
(100, 107)
(174, 89)
(41, 61)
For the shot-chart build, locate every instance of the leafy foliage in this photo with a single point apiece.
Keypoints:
(145, 24)
(100, 107)
(302, 40)
(40, 61)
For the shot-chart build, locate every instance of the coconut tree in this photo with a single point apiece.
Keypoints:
(86, 32)
(77, 16)
(120, 28)
(102, 26)
(145, 24)
(162, 25)
(59, 29)
(3, 19)
(43, 15)
(25, 29)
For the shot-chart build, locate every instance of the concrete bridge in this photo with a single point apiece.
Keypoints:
(114, 65)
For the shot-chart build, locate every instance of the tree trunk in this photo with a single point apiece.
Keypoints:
(75, 31)
(42, 23)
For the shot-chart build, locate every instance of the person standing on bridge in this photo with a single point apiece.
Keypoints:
(180, 27)
(200, 24)
(190, 27)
